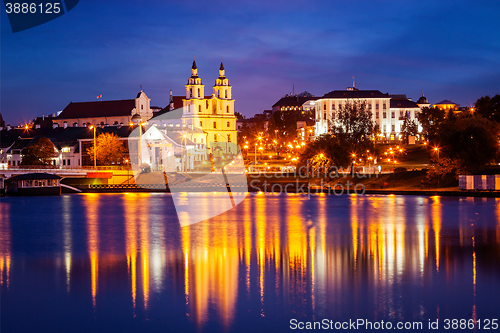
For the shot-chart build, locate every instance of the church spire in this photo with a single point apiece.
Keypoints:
(222, 75)
(194, 70)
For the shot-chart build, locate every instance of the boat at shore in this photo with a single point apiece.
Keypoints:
(34, 184)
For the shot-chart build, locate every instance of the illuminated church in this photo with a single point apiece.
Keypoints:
(213, 114)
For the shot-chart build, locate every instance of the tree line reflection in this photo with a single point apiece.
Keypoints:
(320, 257)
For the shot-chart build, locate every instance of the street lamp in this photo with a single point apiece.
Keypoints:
(255, 153)
(436, 149)
(95, 148)
(184, 137)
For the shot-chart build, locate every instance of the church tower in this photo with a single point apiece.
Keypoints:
(215, 114)
(194, 88)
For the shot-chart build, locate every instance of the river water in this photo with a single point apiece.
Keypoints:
(123, 263)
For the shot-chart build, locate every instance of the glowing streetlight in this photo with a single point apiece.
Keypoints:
(436, 149)
(95, 147)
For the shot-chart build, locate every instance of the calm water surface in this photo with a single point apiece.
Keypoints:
(122, 263)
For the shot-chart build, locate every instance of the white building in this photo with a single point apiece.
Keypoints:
(388, 111)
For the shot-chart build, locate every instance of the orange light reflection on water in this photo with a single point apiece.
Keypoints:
(5, 246)
(92, 205)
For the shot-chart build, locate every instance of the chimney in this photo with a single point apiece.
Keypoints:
(43, 117)
(171, 100)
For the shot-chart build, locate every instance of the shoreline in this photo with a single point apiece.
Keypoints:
(294, 190)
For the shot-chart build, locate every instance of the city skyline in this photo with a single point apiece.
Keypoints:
(447, 50)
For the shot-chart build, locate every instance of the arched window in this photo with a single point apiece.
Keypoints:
(199, 92)
(201, 124)
(226, 93)
(215, 137)
(215, 124)
(190, 92)
(227, 109)
(199, 108)
(229, 138)
(324, 106)
(218, 93)
(207, 104)
(142, 107)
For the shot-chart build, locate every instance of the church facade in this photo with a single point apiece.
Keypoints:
(214, 114)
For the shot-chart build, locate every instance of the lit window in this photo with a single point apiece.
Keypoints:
(66, 149)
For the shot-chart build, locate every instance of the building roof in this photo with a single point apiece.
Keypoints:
(98, 109)
(20, 144)
(293, 101)
(446, 101)
(2, 122)
(422, 100)
(403, 104)
(355, 94)
(35, 176)
(178, 103)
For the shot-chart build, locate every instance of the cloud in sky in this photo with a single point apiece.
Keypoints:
(450, 49)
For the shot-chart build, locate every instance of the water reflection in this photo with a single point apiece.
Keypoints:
(276, 256)
(5, 246)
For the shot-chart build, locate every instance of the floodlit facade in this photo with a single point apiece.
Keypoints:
(388, 111)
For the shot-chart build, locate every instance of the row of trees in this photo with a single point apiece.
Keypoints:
(467, 141)
(350, 137)
(109, 150)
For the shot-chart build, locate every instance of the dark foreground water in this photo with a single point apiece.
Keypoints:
(122, 263)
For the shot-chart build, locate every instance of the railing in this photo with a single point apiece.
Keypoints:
(65, 167)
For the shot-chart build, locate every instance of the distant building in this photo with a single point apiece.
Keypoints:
(388, 111)
(446, 105)
(104, 113)
(422, 102)
(295, 103)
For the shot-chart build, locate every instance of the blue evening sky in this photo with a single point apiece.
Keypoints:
(449, 49)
